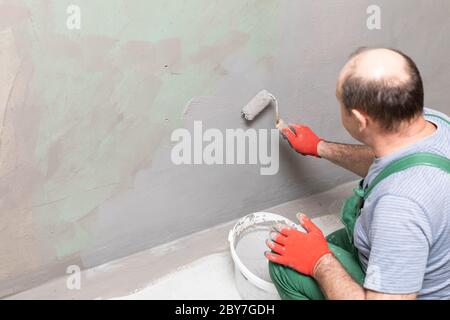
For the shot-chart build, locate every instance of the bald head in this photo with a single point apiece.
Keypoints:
(384, 83)
(377, 65)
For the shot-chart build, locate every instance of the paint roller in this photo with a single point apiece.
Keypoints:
(260, 102)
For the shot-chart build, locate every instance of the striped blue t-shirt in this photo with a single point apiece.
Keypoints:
(403, 232)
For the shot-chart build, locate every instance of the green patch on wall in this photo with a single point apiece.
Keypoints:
(114, 89)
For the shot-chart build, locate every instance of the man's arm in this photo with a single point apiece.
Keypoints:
(337, 284)
(356, 158)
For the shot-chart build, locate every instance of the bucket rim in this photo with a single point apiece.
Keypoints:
(255, 280)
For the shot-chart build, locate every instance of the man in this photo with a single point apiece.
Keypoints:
(396, 244)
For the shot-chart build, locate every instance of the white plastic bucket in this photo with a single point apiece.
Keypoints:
(250, 265)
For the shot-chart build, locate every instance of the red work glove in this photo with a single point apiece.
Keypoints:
(302, 139)
(298, 250)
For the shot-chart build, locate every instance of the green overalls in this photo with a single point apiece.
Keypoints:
(292, 285)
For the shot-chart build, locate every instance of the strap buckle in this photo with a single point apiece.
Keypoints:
(359, 192)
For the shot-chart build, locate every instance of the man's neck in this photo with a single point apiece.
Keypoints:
(385, 144)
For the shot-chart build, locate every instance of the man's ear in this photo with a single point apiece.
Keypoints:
(361, 118)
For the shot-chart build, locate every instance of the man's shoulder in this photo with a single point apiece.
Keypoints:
(423, 188)
(424, 184)
(418, 178)
(417, 181)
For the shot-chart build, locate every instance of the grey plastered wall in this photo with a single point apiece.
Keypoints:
(86, 115)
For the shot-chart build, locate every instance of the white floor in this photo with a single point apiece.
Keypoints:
(209, 278)
(198, 266)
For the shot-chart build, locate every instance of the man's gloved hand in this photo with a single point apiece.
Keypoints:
(298, 250)
(302, 139)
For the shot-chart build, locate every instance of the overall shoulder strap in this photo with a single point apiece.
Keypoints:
(413, 160)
